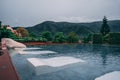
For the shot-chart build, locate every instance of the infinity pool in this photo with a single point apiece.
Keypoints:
(99, 60)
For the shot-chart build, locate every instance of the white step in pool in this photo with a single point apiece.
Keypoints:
(34, 48)
(36, 52)
(41, 66)
(115, 75)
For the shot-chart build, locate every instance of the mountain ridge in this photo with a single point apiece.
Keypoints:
(81, 29)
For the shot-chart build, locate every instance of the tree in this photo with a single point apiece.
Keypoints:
(31, 34)
(22, 32)
(97, 38)
(5, 33)
(88, 38)
(105, 29)
(72, 37)
(59, 37)
(47, 35)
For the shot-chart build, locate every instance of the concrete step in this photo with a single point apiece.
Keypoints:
(36, 52)
(41, 66)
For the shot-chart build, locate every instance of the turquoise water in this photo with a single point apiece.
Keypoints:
(100, 59)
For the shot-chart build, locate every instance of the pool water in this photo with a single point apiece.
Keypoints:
(99, 59)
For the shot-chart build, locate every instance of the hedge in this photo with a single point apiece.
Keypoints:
(114, 38)
(97, 39)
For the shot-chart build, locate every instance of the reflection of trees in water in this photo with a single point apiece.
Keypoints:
(103, 51)
(104, 54)
(96, 48)
(84, 49)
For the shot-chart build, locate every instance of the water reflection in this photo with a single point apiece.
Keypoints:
(104, 54)
(99, 60)
(86, 50)
(105, 51)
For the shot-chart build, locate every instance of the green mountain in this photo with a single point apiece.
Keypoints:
(95, 26)
(81, 29)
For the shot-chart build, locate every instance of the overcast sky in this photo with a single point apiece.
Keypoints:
(32, 12)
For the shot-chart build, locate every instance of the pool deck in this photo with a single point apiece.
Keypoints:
(7, 70)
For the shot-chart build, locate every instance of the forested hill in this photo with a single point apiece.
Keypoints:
(82, 29)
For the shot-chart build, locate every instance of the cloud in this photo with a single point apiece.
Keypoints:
(30, 12)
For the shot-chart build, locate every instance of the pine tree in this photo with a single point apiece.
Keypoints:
(105, 29)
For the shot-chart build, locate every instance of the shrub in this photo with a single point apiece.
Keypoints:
(5, 33)
(97, 39)
(72, 37)
(88, 38)
(106, 38)
(59, 37)
(47, 35)
(114, 38)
